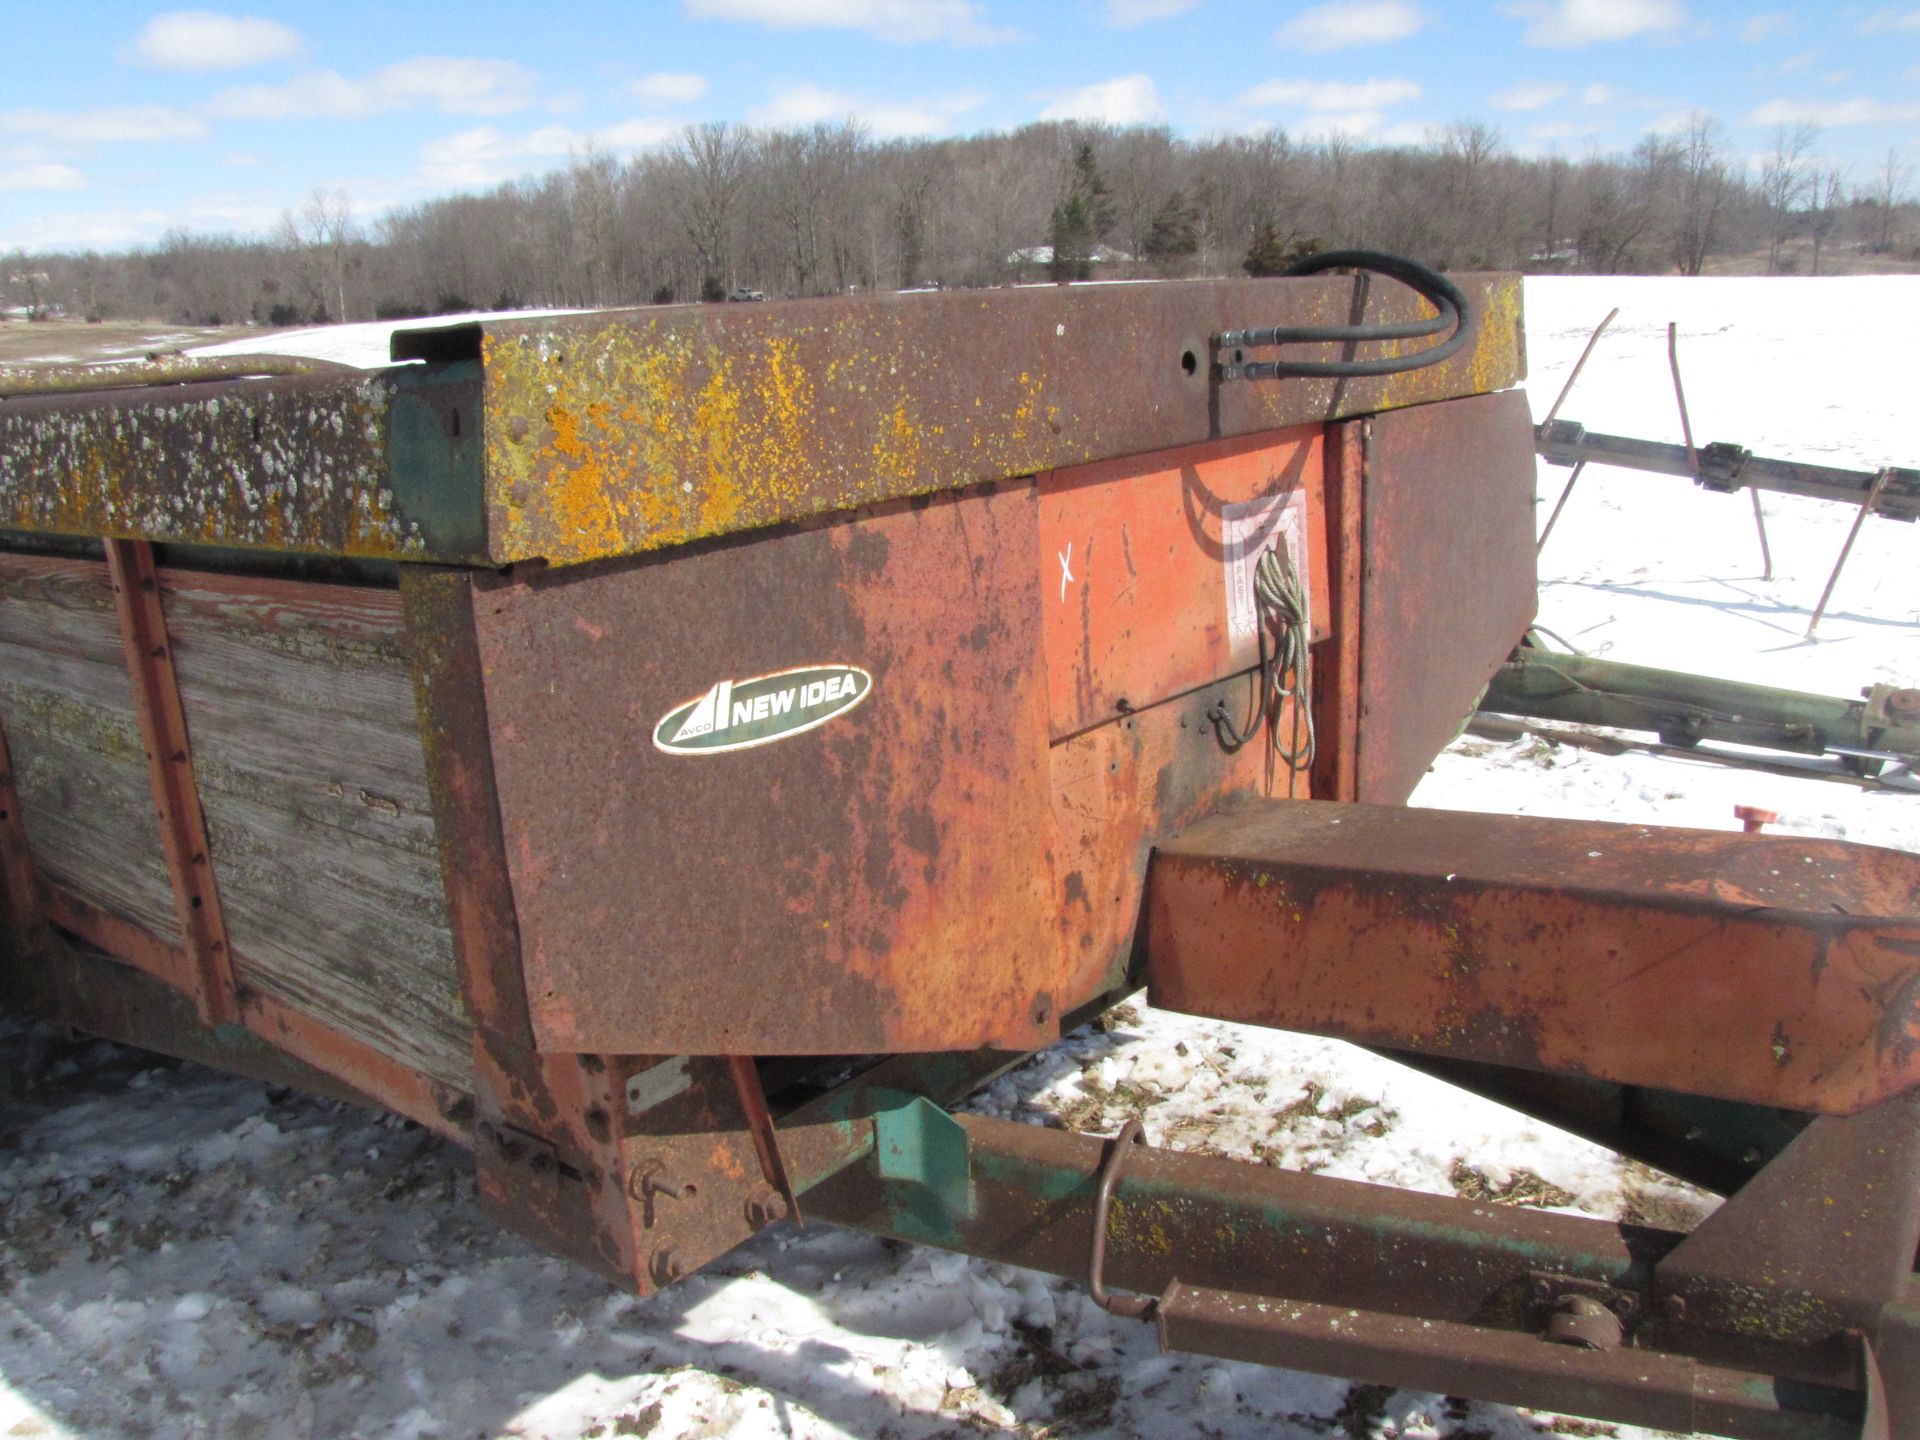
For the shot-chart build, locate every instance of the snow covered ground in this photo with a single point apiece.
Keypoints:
(183, 1254)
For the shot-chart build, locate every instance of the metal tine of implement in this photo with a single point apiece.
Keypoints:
(1859, 519)
(1693, 455)
(1566, 491)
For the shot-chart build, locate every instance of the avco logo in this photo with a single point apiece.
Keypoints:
(739, 714)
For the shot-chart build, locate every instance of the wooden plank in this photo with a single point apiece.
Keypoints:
(308, 754)
(79, 762)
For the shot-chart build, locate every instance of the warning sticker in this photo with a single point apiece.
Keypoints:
(1248, 530)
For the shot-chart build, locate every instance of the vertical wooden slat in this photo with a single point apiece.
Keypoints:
(163, 730)
(21, 921)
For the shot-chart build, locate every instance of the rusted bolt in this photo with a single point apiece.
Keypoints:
(1542, 1288)
(1753, 819)
(764, 1207)
(665, 1266)
(1583, 1322)
(1675, 1306)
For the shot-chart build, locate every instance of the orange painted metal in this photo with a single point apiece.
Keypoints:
(1116, 790)
(364, 1071)
(1773, 970)
(163, 730)
(879, 882)
(1137, 557)
(120, 938)
(379, 1077)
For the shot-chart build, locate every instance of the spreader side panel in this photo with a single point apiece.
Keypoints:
(783, 797)
(1448, 586)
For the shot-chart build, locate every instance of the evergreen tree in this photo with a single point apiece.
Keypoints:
(1080, 220)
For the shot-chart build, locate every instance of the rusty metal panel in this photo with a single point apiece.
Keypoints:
(617, 432)
(877, 878)
(1448, 588)
(1116, 790)
(1138, 556)
(1773, 970)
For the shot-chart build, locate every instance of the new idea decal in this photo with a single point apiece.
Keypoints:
(739, 714)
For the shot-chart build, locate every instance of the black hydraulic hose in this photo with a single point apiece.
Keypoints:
(1453, 311)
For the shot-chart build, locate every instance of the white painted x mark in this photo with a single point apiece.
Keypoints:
(1066, 570)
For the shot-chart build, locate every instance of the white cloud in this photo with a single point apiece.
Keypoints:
(1829, 113)
(1128, 100)
(1125, 14)
(103, 127)
(86, 230)
(1561, 24)
(208, 40)
(1757, 28)
(1599, 95)
(485, 156)
(667, 87)
(798, 105)
(1332, 95)
(1531, 95)
(959, 22)
(45, 176)
(1796, 62)
(453, 84)
(1351, 22)
(1884, 20)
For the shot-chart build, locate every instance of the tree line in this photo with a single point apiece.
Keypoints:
(728, 210)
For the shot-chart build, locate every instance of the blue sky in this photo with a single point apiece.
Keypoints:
(119, 120)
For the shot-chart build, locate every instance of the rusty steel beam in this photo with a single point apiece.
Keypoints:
(1372, 1282)
(1666, 1392)
(621, 431)
(612, 433)
(119, 937)
(116, 984)
(176, 795)
(379, 466)
(1775, 970)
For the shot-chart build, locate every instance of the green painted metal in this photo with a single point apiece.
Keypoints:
(919, 1145)
(1684, 709)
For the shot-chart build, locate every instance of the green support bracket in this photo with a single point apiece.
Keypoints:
(918, 1144)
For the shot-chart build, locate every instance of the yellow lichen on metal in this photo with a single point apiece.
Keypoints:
(288, 473)
(653, 431)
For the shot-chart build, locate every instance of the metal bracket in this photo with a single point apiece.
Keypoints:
(176, 795)
(916, 1141)
(1130, 1307)
(1721, 464)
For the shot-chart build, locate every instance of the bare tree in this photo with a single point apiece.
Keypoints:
(1886, 199)
(324, 229)
(1827, 193)
(707, 167)
(1783, 184)
(1705, 182)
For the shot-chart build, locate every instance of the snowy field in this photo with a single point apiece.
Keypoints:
(183, 1254)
